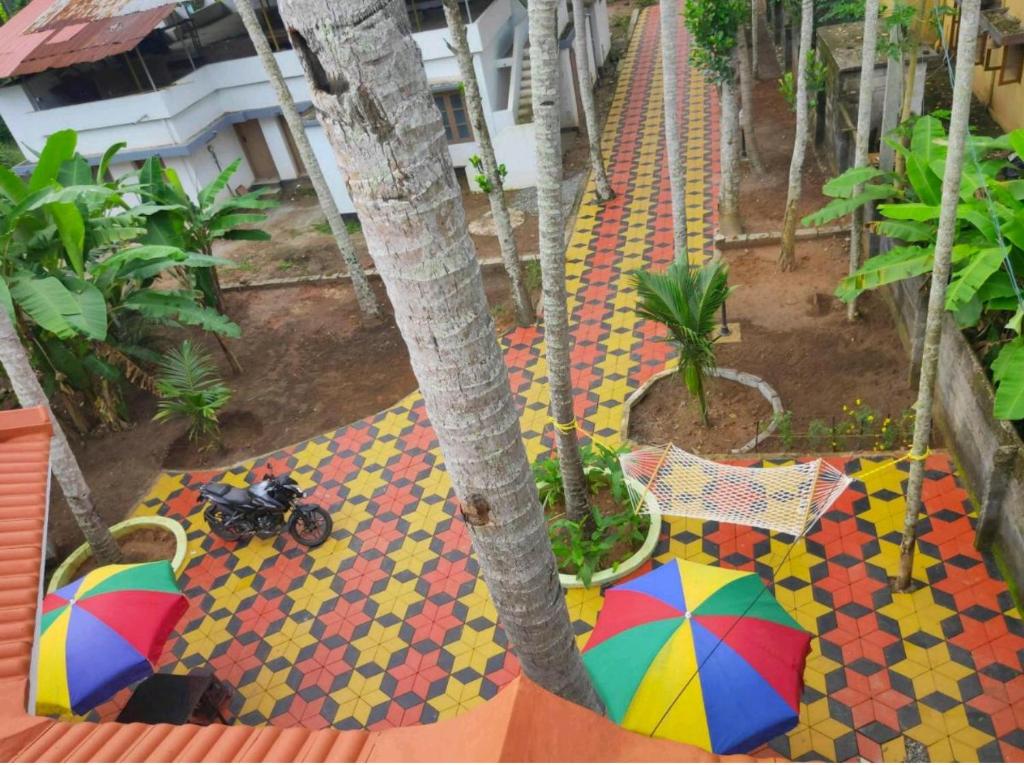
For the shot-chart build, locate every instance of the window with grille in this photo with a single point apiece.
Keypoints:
(452, 106)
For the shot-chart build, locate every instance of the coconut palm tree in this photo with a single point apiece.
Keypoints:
(673, 140)
(360, 284)
(686, 299)
(787, 255)
(548, 140)
(970, 12)
(747, 100)
(370, 90)
(65, 467)
(729, 153)
(585, 83)
(860, 150)
(492, 177)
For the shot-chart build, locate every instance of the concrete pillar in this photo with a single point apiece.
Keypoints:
(277, 143)
(891, 110)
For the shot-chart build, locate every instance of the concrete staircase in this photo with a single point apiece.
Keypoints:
(525, 112)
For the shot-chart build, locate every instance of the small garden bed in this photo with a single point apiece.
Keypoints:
(666, 412)
(613, 539)
(141, 540)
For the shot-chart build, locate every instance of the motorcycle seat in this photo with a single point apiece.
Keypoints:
(228, 493)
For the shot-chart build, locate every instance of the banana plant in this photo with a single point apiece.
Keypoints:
(989, 241)
(80, 287)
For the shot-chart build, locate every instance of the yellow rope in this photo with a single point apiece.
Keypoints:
(909, 456)
(574, 425)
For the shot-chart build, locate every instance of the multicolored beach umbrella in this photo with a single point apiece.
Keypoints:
(103, 632)
(698, 654)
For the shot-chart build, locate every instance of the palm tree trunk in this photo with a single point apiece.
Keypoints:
(970, 12)
(548, 140)
(583, 81)
(673, 141)
(787, 255)
(729, 155)
(525, 315)
(360, 284)
(747, 101)
(62, 460)
(368, 84)
(860, 149)
(755, 27)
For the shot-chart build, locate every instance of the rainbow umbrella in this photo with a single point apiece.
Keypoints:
(699, 654)
(103, 632)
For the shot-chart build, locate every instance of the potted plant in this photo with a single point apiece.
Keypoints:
(613, 539)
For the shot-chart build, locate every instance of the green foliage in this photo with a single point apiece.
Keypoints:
(894, 36)
(686, 299)
(838, 11)
(80, 286)
(190, 389)
(783, 422)
(481, 177)
(714, 27)
(980, 289)
(532, 275)
(817, 71)
(583, 547)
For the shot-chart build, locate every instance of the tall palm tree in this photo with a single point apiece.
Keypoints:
(525, 315)
(548, 141)
(62, 460)
(860, 149)
(673, 139)
(729, 151)
(585, 84)
(747, 100)
(360, 284)
(787, 254)
(370, 90)
(970, 12)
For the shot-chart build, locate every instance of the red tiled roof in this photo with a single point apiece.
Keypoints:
(51, 34)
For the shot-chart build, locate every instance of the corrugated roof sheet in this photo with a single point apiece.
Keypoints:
(52, 34)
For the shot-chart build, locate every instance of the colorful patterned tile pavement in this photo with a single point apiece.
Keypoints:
(390, 624)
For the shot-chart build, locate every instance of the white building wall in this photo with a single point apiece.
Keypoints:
(329, 164)
(197, 111)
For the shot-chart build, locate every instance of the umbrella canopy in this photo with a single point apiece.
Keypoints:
(103, 632)
(698, 654)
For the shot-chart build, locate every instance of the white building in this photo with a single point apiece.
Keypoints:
(186, 85)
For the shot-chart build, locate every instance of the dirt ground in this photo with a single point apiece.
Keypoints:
(763, 196)
(668, 413)
(306, 371)
(139, 546)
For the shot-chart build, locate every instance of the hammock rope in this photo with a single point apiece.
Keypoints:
(787, 499)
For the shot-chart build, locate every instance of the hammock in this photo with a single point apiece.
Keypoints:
(788, 499)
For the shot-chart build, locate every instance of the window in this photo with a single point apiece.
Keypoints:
(454, 116)
(1013, 65)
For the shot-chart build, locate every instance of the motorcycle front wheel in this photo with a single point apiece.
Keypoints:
(310, 525)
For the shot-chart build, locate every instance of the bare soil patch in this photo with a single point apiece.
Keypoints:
(668, 413)
(310, 365)
(796, 336)
(140, 546)
(763, 195)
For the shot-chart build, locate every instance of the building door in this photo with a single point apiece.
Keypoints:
(300, 167)
(250, 135)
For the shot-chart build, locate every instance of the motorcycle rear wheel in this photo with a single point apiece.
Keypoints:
(310, 526)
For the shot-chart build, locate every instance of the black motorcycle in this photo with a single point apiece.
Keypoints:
(233, 513)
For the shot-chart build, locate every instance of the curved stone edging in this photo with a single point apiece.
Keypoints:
(628, 566)
(64, 573)
(743, 378)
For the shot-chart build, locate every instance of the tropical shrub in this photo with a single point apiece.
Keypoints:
(686, 299)
(714, 28)
(81, 287)
(190, 389)
(984, 292)
(584, 547)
